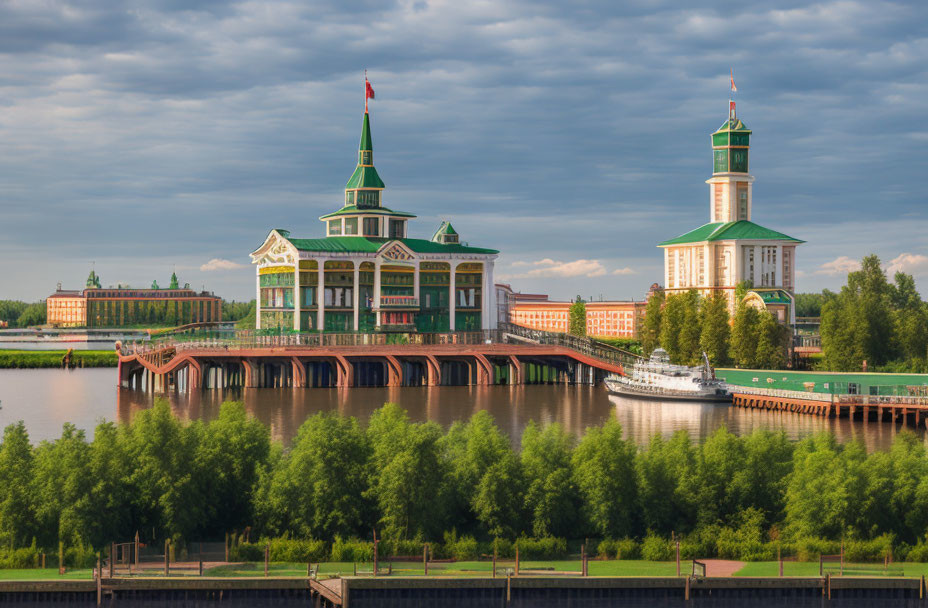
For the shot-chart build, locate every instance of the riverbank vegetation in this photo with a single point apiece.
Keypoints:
(688, 324)
(17, 314)
(465, 490)
(34, 359)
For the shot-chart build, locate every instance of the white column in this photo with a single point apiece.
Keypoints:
(737, 264)
(296, 296)
(491, 296)
(708, 265)
(356, 292)
(320, 294)
(779, 267)
(257, 298)
(757, 266)
(666, 267)
(377, 289)
(451, 294)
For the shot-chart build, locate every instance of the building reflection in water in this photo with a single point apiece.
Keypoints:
(574, 407)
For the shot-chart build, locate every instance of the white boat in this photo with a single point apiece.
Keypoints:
(658, 378)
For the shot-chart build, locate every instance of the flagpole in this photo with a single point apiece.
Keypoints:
(365, 91)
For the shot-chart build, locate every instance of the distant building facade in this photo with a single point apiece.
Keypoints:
(608, 319)
(98, 307)
(368, 275)
(731, 248)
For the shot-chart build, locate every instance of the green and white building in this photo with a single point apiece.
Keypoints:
(367, 274)
(731, 248)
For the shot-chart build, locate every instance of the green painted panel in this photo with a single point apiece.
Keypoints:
(739, 160)
(720, 139)
(720, 161)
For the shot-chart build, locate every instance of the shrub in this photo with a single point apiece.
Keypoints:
(297, 550)
(809, 548)
(505, 549)
(247, 552)
(625, 548)
(78, 556)
(542, 548)
(868, 550)
(464, 548)
(918, 553)
(401, 547)
(352, 550)
(700, 544)
(656, 549)
(25, 557)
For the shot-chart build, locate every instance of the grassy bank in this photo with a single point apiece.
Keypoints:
(35, 359)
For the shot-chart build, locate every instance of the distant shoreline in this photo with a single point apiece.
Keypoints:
(44, 359)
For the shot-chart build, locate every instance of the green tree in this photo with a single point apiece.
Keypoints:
(576, 318)
(858, 325)
(667, 496)
(471, 450)
(551, 495)
(772, 342)
(673, 319)
(319, 487)
(18, 496)
(744, 336)
(406, 469)
(715, 331)
(230, 452)
(649, 328)
(604, 471)
(34, 314)
(62, 476)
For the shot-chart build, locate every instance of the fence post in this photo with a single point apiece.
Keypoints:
(842, 557)
(425, 558)
(517, 560)
(780, 560)
(226, 547)
(267, 556)
(61, 557)
(167, 557)
(678, 558)
(112, 558)
(136, 547)
(820, 564)
(99, 577)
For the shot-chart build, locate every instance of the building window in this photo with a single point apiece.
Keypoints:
(719, 216)
(396, 229)
(365, 157)
(338, 297)
(742, 202)
(335, 227)
(671, 258)
(349, 197)
(371, 226)
(368, 198)
(351, 225)
(787, 271)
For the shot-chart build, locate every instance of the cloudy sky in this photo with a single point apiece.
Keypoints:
(146, 136)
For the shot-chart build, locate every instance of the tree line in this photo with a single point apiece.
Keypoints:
(875, 321)
(22, 314)
(409, 480)
(688, 324)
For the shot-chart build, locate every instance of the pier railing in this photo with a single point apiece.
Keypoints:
(243, 339)
(783, 393)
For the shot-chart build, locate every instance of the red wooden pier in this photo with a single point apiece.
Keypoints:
(510, 355)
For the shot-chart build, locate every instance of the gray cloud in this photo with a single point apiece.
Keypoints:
(142, 135)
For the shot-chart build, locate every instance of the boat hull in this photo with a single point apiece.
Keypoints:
(624, 390)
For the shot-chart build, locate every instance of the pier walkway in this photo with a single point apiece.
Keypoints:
(509, 355)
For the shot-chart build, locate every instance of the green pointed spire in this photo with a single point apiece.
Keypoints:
(363, 188)
(174, 283)
(366, 135)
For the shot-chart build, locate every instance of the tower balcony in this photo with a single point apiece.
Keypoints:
(399, 303)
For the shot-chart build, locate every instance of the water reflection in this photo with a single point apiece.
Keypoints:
(46, 399)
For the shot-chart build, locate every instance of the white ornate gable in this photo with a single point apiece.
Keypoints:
(396, 252)
(275, 250)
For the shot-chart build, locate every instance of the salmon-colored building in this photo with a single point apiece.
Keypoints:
(608, 319)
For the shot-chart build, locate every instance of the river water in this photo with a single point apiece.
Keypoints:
(47, 398)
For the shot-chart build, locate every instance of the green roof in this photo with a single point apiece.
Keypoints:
(733, 125)
(772, 296)
(443, 229)
(724, 231)
(363, 244)
(364, 177)
(353, 209)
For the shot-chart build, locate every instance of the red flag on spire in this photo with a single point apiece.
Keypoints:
(368, 91)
